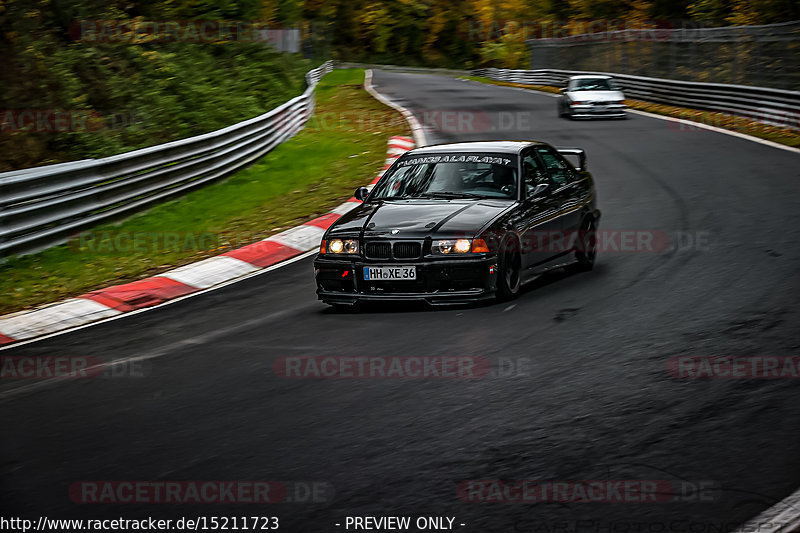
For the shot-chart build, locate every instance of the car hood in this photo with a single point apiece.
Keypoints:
(597, 96)
(417, 219)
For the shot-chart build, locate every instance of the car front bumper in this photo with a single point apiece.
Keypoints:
(439, 281)
(594, 111)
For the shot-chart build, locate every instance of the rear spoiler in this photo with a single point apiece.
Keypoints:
(575, 151)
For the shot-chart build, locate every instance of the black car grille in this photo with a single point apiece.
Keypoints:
(390, 250)
(378, 250)
(407, 250)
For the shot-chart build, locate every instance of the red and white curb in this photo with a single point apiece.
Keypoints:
(188, 279)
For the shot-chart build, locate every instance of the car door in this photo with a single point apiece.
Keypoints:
(569, 192)
(540, 211)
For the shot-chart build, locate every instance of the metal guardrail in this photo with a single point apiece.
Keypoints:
(770, 106)
(43, 206)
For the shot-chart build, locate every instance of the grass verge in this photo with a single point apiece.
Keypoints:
(785, 136)
(342, 147)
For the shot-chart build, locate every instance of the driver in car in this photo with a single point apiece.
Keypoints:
(504, 180)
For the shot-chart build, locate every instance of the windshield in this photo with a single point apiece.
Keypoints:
(593, 84)
(451, 176)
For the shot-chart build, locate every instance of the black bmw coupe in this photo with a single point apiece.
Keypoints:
(456, 223)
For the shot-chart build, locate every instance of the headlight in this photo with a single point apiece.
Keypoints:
(459, 246)
(343, 246)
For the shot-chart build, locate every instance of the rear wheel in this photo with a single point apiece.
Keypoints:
(585, 246)
(509, 270)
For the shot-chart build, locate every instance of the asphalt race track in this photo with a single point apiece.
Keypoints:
(594, 400)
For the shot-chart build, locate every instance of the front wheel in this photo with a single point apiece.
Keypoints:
(509, 270)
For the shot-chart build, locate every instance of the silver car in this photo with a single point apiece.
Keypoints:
(591, 96)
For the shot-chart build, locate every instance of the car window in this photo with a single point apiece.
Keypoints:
(593, 84)
(451, 175)
(560, 171)
(533, 173)
(406, 178)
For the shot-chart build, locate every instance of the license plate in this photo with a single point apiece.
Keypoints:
(390, 273)
(600, 109)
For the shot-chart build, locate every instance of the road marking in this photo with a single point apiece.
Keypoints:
(672, 119)
(168, 302)
(718, 130)
(152, 354)
(782, 517)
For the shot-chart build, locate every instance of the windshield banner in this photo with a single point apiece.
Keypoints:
(457, 158)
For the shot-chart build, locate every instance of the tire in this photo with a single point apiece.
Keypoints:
(509, 270)
(585, 252)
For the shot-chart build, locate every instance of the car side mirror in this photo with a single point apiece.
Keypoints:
(361, 194)
(562, 90)
(577, 152)
(541, 190)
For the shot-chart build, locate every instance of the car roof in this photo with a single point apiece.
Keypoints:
(590, 77)
(506, 147)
